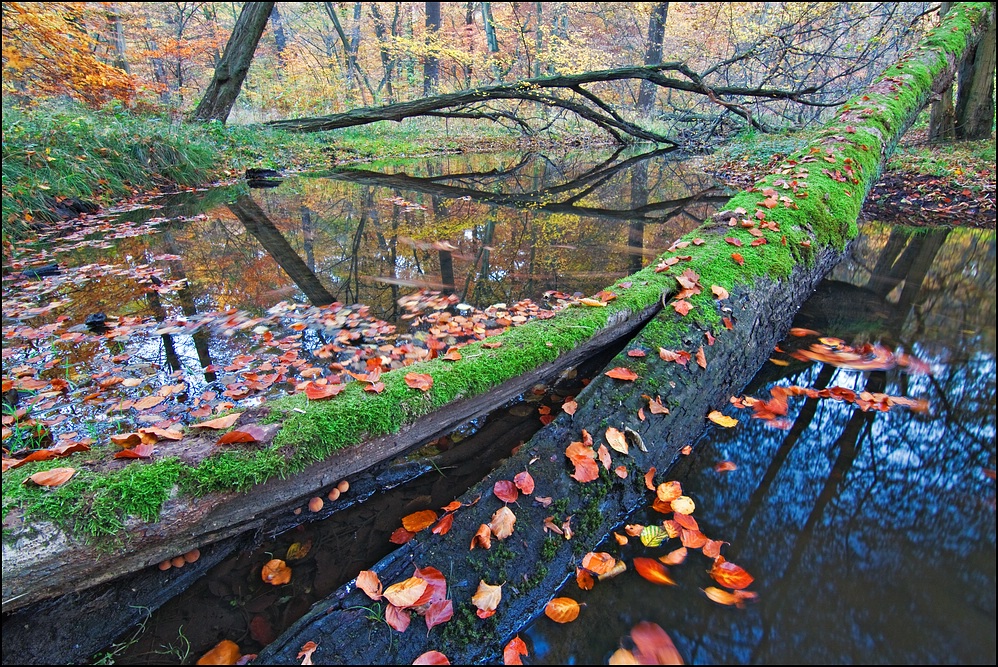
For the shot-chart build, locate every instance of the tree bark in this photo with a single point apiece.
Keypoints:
(653, 53)
(431, 63)
(232, 69)
(975, 107)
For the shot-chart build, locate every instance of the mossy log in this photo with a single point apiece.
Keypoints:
(147, 512)
(824, 187)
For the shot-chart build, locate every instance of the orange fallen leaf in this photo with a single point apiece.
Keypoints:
(143, 451)
(225, 652)
(616, 440)
(406, 593)
(420, 381)
(730, 575)
(396, 618)
(584, 579)
(692, 539)
(444, 525)
(400, 536)
(656, 407)
(127, 440)
(306, 652)
(653, 571)
(438, 612)
(701, 358)
(736, 598)
(369, 582)
(683, 505)
(524, 482)
(739, 260)
(502, 523)
(487, 599)
(682, 306)
(221, 422)
(320, 392)
(712, 549)
(650, 479)
(431, 658)
(52, 477)
(482, 538)
(513, 650)
(669, 491)
(725, 466)
(417, 521)
(621, 373)
(719, 292)
(621, 472)
(562, 610)
(453, 354)
(675, 557)
(570, 407)
(652, 646)
(276, 572)
(598, 562)
(147, 402)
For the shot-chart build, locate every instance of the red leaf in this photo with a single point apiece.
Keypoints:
(138, 452)
(682, 306)
(513, 650)
(506, 491)
(652, 646)
(438, 612)
(444, 525)
(524, 482)
(431, 658)
(733, 241)
(739, 260)
(420, 381)
(397, 619)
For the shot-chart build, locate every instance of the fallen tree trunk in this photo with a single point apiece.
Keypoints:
(318, 443)
(804, 211)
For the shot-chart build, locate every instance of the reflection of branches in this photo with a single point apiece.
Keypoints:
(541, 199)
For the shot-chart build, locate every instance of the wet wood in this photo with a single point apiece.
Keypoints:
(341, 627)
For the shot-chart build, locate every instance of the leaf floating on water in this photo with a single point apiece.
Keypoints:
(562, 610)
(653, 646)
(736, 598)
(417, 521)
(675, 557)
(683, 505)
(225, 652)
(722, 419)
(653, 571)
(725, 466)
(513, 650)
(730, 575)
(653, 536)
(598, 562)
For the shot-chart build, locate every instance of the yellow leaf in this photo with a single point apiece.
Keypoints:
(721, 419)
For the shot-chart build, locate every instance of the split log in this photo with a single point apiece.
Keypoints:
(40, 560)
(816, 207)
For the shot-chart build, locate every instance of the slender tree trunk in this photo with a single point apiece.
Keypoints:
(653, 53)
(120, 59)
(975, 106)
(942, 117)
(431, 64)
(231, 71)
(491, 40)
(280, 38)
(387, 61)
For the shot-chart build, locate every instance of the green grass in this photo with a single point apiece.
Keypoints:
(958, 159)
(64, 150)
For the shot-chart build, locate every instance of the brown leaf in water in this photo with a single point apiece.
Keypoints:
(653, 571)
(276, 572)
(417, 521)
(730, 575)
(225, 652)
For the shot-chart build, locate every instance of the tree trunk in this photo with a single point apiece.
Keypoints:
(975, 107)
(232, 69)
(431, 64)
(40, 560)
(653, 53)
(942, 116)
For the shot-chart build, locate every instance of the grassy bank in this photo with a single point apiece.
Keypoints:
(57, 151)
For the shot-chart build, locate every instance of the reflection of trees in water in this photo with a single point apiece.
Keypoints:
(871, 535)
